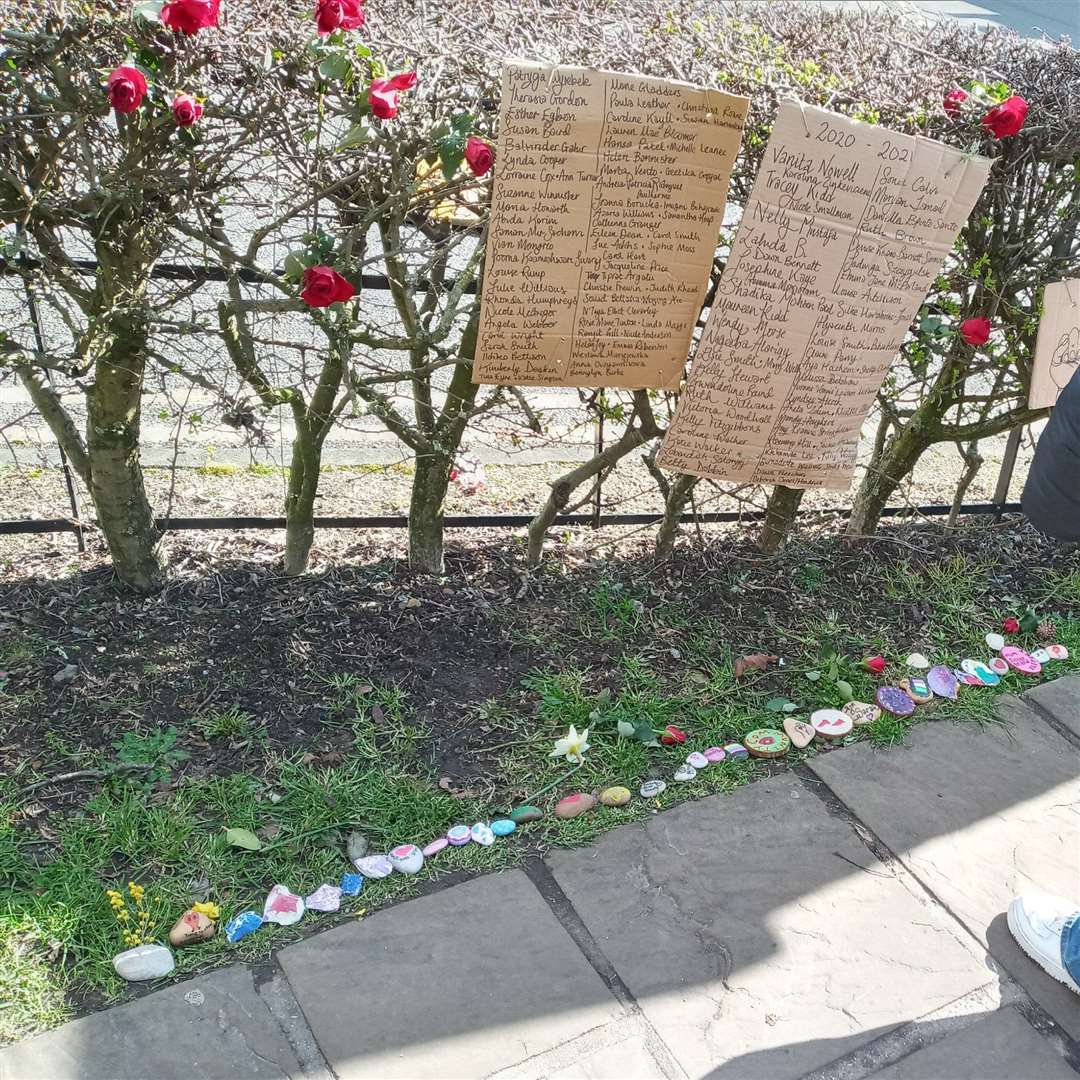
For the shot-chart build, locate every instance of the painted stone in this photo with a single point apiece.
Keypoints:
(572, 805)
(283, 907)
(736, 751)
(375, 866)
(998, 666)
(615, 796)
(436, 845)
(1042, 655)
(503, 826)
(918, 661)
(352, 884)
(1020, 661)
(799, 732)
(651, 788)
(324, 898)
(917, 689)
(831, 723)
(966, 679)
(482, 834)
(698, 760)
(459, 835)
(191, 928)
(861, 712)
(995, 642)
(1058, 652)
(524, 814)
(714, 754)
(767, 743)
(684, 773)
(240, 926)
(893, 700)
(144, 962)
(406, 858)
(985, 674)
(942, 682)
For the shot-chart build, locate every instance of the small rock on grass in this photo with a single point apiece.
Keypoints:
(66, 674)
(144, 962)
(356, 846)
(572, 805)
(524, 814)
(191, 928)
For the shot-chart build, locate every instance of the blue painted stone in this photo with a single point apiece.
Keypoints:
(503, 827)
(239, 926)
(352, 884)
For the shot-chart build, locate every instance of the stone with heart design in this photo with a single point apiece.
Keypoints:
(998, 666)
(191, 928)
(283, 907)
(698, 760)
(799, 732)
(831, 723)
(1058, 652)
(1020, 661)
(767, 743)
(943, 682)
(894, 700)
(406, 858)
(861, 712)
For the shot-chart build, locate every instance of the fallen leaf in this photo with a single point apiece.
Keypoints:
(758, 661)
(243, 838)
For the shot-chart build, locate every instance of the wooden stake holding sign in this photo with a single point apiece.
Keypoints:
(846, 228)
(608, 198)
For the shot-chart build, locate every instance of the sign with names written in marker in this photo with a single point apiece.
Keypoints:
(846, 227)
(1057, 347)
(608, 199)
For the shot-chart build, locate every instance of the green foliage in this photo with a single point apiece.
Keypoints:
(158, 750)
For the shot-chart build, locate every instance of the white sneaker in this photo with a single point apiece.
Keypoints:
(1036, 920)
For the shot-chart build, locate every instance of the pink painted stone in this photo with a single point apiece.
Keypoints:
(998, 666)
(573, 805)
(715, 754)
(283, 907)
(324, 898)
(435, 846)
(1020, 661)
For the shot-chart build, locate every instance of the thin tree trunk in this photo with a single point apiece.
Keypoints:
(300, 500)
(972, 464)
(116, 479)
(641, 429)
(678, 496)
(780, 512)
(899, 457)
(429, 486)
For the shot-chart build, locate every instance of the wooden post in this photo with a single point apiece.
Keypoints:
(1008, 464)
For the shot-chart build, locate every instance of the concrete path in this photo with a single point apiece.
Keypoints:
(842, 922)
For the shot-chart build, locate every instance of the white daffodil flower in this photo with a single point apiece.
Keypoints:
(573, 746)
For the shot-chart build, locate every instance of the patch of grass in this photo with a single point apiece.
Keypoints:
(617, 612)
(217, 470)
(230, 723)
(809, 577)
(19, 647)
(32, 987)
(157, 750)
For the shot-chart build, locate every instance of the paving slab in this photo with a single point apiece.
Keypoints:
(760, 936)
(1004, 1046)
(208, 1028)
(460, 983)
(1060, 698)
(978, 814)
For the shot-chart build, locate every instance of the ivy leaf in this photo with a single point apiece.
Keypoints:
(335, 68)
(645, 734)
(626, 729)
(1029, 621)
(451, 143)
(358, 135)
(243, 838)
(844, 689)
(776, 704)
(813, 676)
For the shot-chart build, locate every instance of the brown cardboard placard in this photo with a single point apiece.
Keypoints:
(846, 227)
(1057, 346)
(608, 197)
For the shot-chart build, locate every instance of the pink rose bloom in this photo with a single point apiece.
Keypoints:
(323, 287)
(126, 88)
(331, 15)
(190, 16)
(383, 94)
(186, 110)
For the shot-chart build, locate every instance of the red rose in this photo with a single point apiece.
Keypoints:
(190, 16)
(383, 94)
(673, 736)
(323, 287)
(479, 155)
(126, 88)
(185, 110)
(1007, 118)
(331, 15)
(953, 100)
(1011, 625)
(975, 331)
(876, 664)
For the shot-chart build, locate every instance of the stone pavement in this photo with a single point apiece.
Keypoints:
(842, 922)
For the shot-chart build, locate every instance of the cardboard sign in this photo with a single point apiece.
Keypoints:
(846, 227)
(1057, 347)
(608, 198)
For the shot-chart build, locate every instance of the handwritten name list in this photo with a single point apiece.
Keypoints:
(608, 199)
(846, 227)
